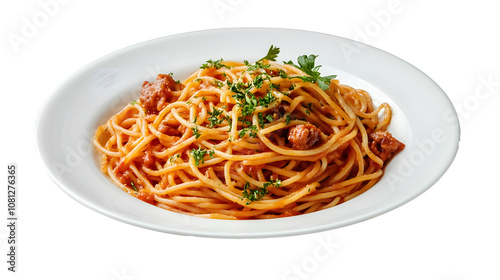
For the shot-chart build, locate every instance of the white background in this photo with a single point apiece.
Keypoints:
(451, 232)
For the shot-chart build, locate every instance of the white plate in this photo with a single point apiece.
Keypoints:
(424, 119)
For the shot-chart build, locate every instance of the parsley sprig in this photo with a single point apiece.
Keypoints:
(272, 54)
(307, 64)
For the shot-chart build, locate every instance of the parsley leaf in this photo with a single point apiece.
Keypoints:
(307, 64)
(272, 54)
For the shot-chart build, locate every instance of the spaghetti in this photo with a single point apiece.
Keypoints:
(247, 141)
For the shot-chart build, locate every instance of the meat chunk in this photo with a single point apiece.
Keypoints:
(156, 96)
(384, 145)
(303, 136)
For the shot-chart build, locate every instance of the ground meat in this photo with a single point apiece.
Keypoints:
(146, 159)
(146, 196)
(249, 169)
(384, 145)
(303, 136)
(156, 96)
(123, 176)
(168, 130)
(338, 154)
(252, 169)
(280, 110)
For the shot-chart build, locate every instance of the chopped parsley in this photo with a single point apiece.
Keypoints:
(255, 66)
(196, 132)
(267, 99)
(214, 119)
(282, 74)
(199, 153)
(173, 158)
(250, 94)
(262, 120)
(253, 194)
(217, 83)
(275, 86)
(288, 118)
(133, 102)
(247, 104)
(213, 63)
(230, 122)
(251, 130)
(259, 80)
(257, 194)
(306, 64)
(275, 183)
(133, 186)
(211, 153)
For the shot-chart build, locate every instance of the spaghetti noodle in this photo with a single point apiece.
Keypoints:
(247, 141)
